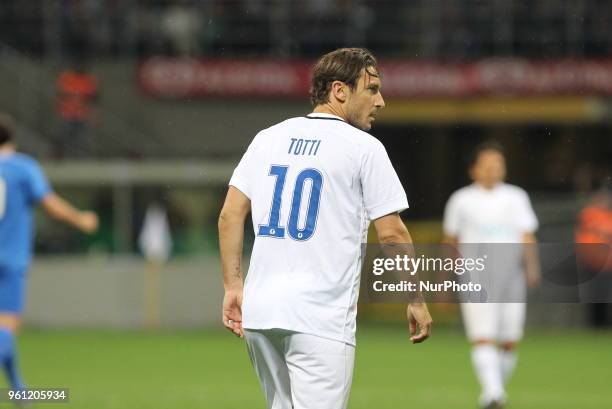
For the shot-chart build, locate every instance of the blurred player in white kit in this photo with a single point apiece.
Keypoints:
(312, 185)
(491, 211)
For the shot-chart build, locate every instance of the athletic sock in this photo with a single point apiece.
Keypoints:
(486, 361)
(8, 358)
(507, 362)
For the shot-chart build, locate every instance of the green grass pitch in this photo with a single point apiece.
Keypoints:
(211, 370)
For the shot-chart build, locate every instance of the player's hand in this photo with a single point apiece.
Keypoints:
(88, 222)
(232, 311)
(419, 319)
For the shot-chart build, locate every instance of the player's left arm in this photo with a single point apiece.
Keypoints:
(60, 209)
(531, 259)
(394, 237)
(231, 235)
(40, 193)
(528, 223)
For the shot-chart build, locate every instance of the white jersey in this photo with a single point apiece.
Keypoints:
(499, 215)
(315, 183)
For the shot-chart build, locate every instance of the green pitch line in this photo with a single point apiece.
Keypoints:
(210, 369)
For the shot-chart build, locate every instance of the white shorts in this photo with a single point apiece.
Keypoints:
(501, 322)
(301, 371)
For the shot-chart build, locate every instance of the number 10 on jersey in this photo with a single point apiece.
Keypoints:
(273, 228)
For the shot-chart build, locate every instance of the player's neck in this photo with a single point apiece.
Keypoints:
(7, 149)
(487, 186)
(330, 109)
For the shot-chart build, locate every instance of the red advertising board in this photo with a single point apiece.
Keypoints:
(178, 78)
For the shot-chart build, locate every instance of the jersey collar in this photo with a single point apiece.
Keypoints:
(323, 115)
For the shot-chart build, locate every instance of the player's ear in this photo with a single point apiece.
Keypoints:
(339, 91)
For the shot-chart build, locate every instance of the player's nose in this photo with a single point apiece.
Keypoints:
(380, 102)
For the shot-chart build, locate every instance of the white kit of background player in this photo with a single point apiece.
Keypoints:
(497, 216)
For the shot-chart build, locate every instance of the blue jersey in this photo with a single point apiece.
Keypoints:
(22, 185)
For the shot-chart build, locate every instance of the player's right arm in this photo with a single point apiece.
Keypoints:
(391, 230)
(231, 234)
(450, 222)
(61, 210)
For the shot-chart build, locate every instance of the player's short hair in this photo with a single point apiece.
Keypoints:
(489, 145)
(7, 128)
(343, 64)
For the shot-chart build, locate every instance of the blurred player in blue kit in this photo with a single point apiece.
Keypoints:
(312, 184)
(23, 185)
(493, 213)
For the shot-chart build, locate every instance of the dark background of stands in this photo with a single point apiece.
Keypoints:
(438, 29)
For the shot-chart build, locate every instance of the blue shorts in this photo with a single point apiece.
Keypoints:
(12, 289)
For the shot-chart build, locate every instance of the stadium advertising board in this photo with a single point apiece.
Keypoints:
(178, 78)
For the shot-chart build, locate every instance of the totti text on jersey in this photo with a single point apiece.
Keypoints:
(301, 147)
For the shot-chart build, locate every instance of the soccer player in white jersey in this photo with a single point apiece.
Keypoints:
(490, 211)
(312, 185)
